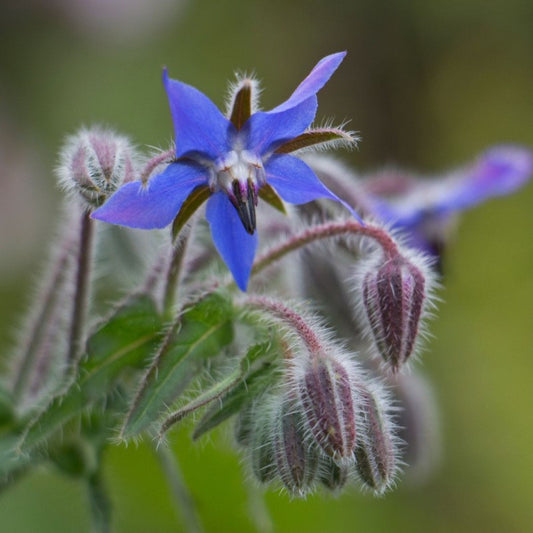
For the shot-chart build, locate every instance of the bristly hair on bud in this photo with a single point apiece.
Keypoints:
(279, 447)
(377, 451)
(394, 294)
(296, 457)
(94, 163)
(325, 383)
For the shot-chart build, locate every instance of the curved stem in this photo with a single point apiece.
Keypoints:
(155, 161)
(331, 229)
(288, 315)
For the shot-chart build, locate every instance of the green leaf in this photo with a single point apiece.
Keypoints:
(124, 342)
(258, 371)
(204, 330)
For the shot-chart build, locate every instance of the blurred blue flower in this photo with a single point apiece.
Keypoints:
(235, 160)
(426, 209)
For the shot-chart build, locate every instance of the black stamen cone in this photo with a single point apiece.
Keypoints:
(245, 206)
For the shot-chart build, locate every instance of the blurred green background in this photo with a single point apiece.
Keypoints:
(428, 84)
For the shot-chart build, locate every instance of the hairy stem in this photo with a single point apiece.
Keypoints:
(288, 315)
(174, 270)
(40, 320)
(323, 231)
(152, 164)
(215, 393)
(79, 311)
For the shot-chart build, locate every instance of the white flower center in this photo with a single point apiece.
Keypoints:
(239, 174)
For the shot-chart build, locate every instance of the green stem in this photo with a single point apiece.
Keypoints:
(100, 505)
(183, 500)
(203, 399)
(174, 271)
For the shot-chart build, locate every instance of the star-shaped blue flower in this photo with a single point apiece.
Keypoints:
(236, 159)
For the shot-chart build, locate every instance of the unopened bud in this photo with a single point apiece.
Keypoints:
(331, 474)
(296, 457)
(393, 298)
(244, 425)
(94, 163)
(262, 442)
(376, 452)
(326, 394)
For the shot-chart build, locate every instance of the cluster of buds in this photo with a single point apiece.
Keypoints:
(94, 163)
(325, 427)
(393, 292)
(327, 422)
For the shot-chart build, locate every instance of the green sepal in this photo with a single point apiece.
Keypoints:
(242, 104)
(312, 137)
(204, 330)
(197, 197)
(270, 196)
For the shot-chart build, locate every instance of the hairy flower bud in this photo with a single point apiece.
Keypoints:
(296, 457)
(94, 163)
(326, 394)
(376, 452)
(260, 438)
(393, 298)
(331, 474)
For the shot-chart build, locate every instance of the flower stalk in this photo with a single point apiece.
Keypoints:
(326, 231)
(81, 296)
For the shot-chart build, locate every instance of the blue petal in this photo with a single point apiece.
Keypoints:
(155, 205)
(296, 183)
(234, 244)
(264, 131)
(316, 79)
(499, 171)
(199, 125)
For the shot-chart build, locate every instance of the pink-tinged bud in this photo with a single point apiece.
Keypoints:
(326, 393)
(393, 298)
(296, 457)
(376, 453)
(94, 163)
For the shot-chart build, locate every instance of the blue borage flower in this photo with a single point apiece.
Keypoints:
(425, 209)
(232, 162)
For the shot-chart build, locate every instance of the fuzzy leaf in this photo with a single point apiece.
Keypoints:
(124, 342)
(257, 370)
(205, 330)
